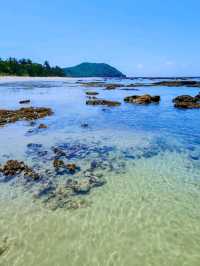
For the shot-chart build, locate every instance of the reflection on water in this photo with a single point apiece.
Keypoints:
(147, 212)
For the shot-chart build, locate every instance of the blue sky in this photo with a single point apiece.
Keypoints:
(141, 38)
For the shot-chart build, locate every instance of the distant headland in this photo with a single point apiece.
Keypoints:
(93, 70)
(26, 67)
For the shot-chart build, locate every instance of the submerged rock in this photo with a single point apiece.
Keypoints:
(97, 181)
(71, 167)
(60, 165)
(30, 113)
(4, 246)
(84, 125)
(143, 99)
(82, 186)
(103, 102)
(58, 152)
(57, 164)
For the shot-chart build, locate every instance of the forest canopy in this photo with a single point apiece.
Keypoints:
(25, 67)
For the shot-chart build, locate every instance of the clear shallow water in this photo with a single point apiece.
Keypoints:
(147, 213)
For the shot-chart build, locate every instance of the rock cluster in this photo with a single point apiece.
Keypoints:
(30, 113)
(14, 167)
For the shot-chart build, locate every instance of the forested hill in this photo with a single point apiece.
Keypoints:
(25, 67)
(93, 70)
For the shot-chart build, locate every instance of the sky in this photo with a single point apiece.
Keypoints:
(139, 37)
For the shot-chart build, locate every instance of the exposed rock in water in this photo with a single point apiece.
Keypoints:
(13, 168)
(24, 101)
(102, 102)
(187, 101)
(30, 113)
(91, 93)
(113, 86)
(143, 99)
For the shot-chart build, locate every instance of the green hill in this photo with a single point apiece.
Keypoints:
(92, 70)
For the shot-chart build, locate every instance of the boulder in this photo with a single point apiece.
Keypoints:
(143, 99)
(187, 101)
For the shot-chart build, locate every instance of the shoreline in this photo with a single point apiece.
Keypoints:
(4, 79)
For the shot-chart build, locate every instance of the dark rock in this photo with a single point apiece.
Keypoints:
(34, 146)
(24, 101)
(143, 99)
(91, 93)
(42, 126)
(103, 102)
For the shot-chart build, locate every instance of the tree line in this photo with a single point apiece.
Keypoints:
(25, 67)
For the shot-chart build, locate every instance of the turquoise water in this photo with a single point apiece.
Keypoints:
(148, 211)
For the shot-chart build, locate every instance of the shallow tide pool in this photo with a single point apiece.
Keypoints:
(147, 212)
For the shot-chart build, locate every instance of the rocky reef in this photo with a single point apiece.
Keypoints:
(30, 113)
(187, 101)
(143, 99)
(177, 83)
